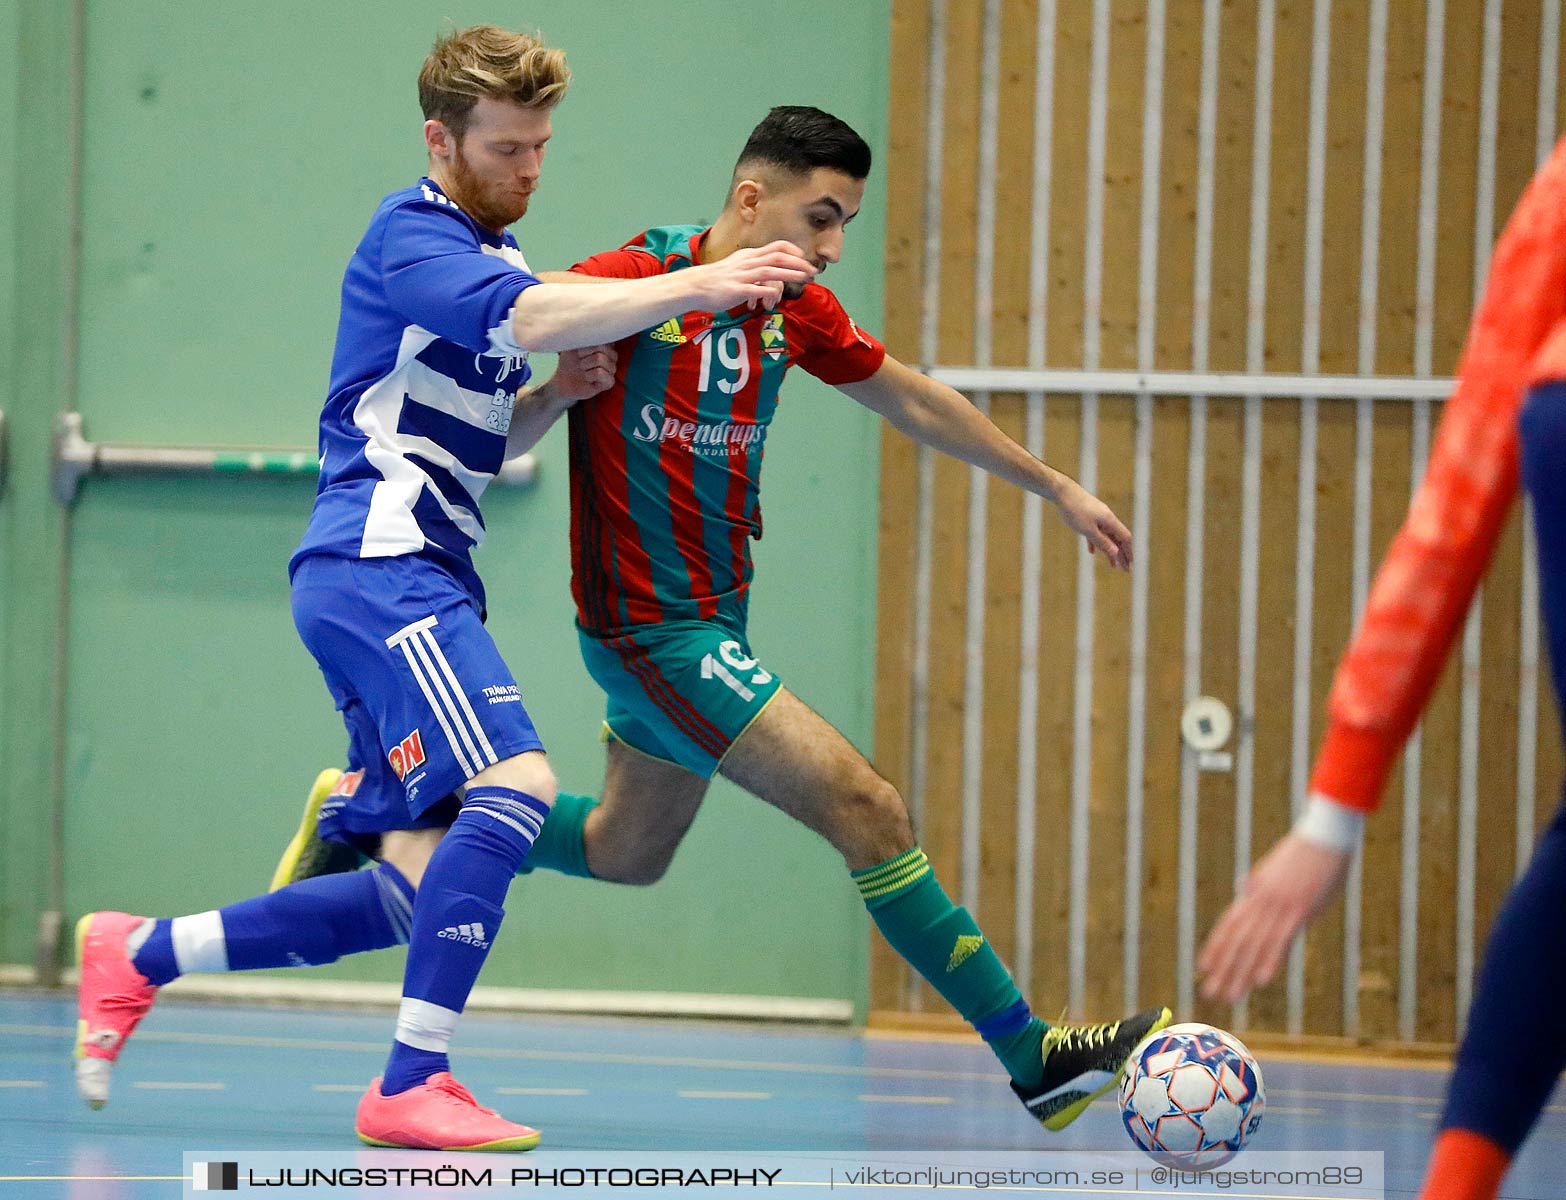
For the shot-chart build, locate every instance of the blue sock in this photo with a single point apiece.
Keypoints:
(455, 919)
(304, 924)
(1515, 1044)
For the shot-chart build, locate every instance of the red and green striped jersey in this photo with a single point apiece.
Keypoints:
(666, 464)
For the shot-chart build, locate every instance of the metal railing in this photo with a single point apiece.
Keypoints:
(73, 458)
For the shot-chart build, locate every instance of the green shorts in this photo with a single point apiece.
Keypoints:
(682, 691)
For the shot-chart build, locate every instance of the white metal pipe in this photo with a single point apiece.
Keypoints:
(1142, 486)
(1033, 506)
(1028, 706)
(1305, 554)
(1092, 307)
(1413, 770)
(1256, 312)
(1472, 669)
(978, 480)
(1043, 179)
(1196, 483)
(1429, 187)
(929, 348)
(1364, 436)
(1304, 577)
(1187, 383)
(1310, 356)
(1545, 131)
(973, 679)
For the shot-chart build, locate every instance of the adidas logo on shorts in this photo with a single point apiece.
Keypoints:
(471, 935)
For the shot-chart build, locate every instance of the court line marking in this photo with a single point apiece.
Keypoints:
(703, 1095)
(539, 1091)
(178, 1085)
(21, 1083)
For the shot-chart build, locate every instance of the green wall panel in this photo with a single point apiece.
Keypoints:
(14, 905)
(234, 156)
(35, 110)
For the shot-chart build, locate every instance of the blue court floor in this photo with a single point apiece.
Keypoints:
(201, 1078)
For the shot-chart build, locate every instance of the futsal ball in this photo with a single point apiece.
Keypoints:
(1192, 1096)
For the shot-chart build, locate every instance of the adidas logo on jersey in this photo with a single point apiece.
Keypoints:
(468, 935)
(669, 331)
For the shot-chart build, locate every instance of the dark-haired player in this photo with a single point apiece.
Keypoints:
(665, 491)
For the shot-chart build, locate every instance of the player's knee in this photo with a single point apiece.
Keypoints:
(637, 862)
(641, 871)
(873, 820)
(409, 851)
(528, 773)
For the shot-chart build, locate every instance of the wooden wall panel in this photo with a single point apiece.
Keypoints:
(1162, 545)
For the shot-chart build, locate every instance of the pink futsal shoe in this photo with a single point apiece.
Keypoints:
(111, 997)
(439, 1114)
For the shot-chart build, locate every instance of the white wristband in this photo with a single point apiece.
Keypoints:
(1331, 825)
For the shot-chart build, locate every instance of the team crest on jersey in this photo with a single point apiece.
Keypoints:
(406, 755)
(348, 784)
(773, 343)
(669, 331)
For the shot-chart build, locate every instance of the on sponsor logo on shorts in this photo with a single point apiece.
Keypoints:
(406, 755)
(348, 784)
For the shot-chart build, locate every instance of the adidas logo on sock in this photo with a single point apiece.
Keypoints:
(470, 935)
(966, 946)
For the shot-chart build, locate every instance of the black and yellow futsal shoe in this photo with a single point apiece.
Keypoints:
(307, 855)
(1082, 1062)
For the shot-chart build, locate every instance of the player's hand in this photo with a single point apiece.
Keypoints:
(582, 373)
(1290, 885)
(751, 278)
(1091, 518)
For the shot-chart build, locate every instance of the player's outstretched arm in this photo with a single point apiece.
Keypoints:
(579, 375)
(939, 417)
(562, 316)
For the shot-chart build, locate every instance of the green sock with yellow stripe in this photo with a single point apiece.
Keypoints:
(942, 943)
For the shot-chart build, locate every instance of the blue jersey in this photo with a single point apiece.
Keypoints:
(424, 376)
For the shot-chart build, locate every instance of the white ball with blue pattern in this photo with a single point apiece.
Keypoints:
(1192, 1096)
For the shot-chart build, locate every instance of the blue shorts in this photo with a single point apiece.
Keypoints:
(427, 699)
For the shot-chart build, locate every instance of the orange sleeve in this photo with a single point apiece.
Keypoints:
(1435, 561)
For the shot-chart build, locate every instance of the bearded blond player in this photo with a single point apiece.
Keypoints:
(439, 313)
